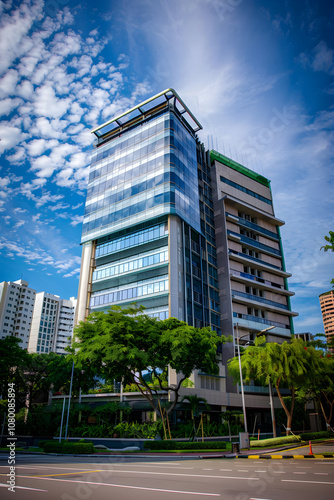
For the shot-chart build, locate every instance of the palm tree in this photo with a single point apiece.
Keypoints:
(197, 406)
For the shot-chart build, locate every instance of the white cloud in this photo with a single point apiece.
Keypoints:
(10, 136)
(8, 83)
(48, 105)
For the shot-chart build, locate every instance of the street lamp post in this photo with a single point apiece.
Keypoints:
(242, 383)
(271, 401)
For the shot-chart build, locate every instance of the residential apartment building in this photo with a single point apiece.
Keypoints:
(184, 231)
(52, 324)
(327, 311)
(44, 322)
(16, 310)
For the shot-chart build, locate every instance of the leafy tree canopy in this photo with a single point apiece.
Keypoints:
(290, 364)
(124, 343)
(12, 357)
(330, 242)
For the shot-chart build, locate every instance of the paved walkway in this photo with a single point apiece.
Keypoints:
(319, 450)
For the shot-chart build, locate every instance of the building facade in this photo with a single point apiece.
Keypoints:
(44, 322)
(52, 324)
(186, 232)
(327, 311)
(16, 310)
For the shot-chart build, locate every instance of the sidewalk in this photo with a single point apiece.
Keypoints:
(318, 450)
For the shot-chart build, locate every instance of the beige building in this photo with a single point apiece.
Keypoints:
(327, 310)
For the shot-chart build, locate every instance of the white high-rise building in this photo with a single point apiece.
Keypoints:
(65, 325)
(16, 310)
(52, 324)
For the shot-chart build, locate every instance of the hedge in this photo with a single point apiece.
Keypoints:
(184, 445)
(76, 448)
(274, 441)
(307, 436)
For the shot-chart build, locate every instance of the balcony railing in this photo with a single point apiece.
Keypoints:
(254, 259)
(259, 299)
(257, 319)
(254, 243)
(248, 276)
(255, 227)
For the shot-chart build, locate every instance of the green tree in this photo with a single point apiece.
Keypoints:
(125, 343)
(330, 242)
(13, 357)
(322, 389)
(197, 405)
(329, 246)
(292, 365)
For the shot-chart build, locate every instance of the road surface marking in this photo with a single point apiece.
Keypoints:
(23, 487)
(321, 473)
(299, 473)
(260, 471)
(299, 481)
(226, 470)
(242, 470)
(279, 472)
(128, 487)
(187, 475)
(67, 473)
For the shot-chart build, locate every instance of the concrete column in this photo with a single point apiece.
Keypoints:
(85, 282)
(176, 269)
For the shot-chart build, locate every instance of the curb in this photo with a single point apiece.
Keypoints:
(280, 457)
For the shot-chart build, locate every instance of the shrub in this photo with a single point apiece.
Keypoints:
(75, 448)
(184, 445)
(275, 441)
(307, 436)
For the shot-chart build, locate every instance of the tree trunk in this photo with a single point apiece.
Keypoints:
(287, 412)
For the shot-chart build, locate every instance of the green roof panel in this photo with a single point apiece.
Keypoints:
(214, 155)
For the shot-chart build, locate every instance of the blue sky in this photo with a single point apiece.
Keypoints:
(258, 75)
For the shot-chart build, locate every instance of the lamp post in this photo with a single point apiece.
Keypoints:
(69, 402)
(241, 380)
(271, 402)
(242, 383)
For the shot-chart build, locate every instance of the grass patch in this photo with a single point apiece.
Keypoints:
(263, 443)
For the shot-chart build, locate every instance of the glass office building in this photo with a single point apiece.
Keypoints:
(144, 235)
(183, 231)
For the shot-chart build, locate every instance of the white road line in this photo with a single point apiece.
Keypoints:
(299, 473)
(226, 470)
(279, 472)
(242, 470)
(299, 481)
(22, 487)
(188, 475)
(321, 473)
(130, 487)
(260, 471)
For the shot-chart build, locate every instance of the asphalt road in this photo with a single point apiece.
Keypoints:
(70, 478)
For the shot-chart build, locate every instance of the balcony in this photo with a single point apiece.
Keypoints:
(255, 324)
(245, 223)
(260, 264)
(262, 283)
(261, 300)
(253, 243)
